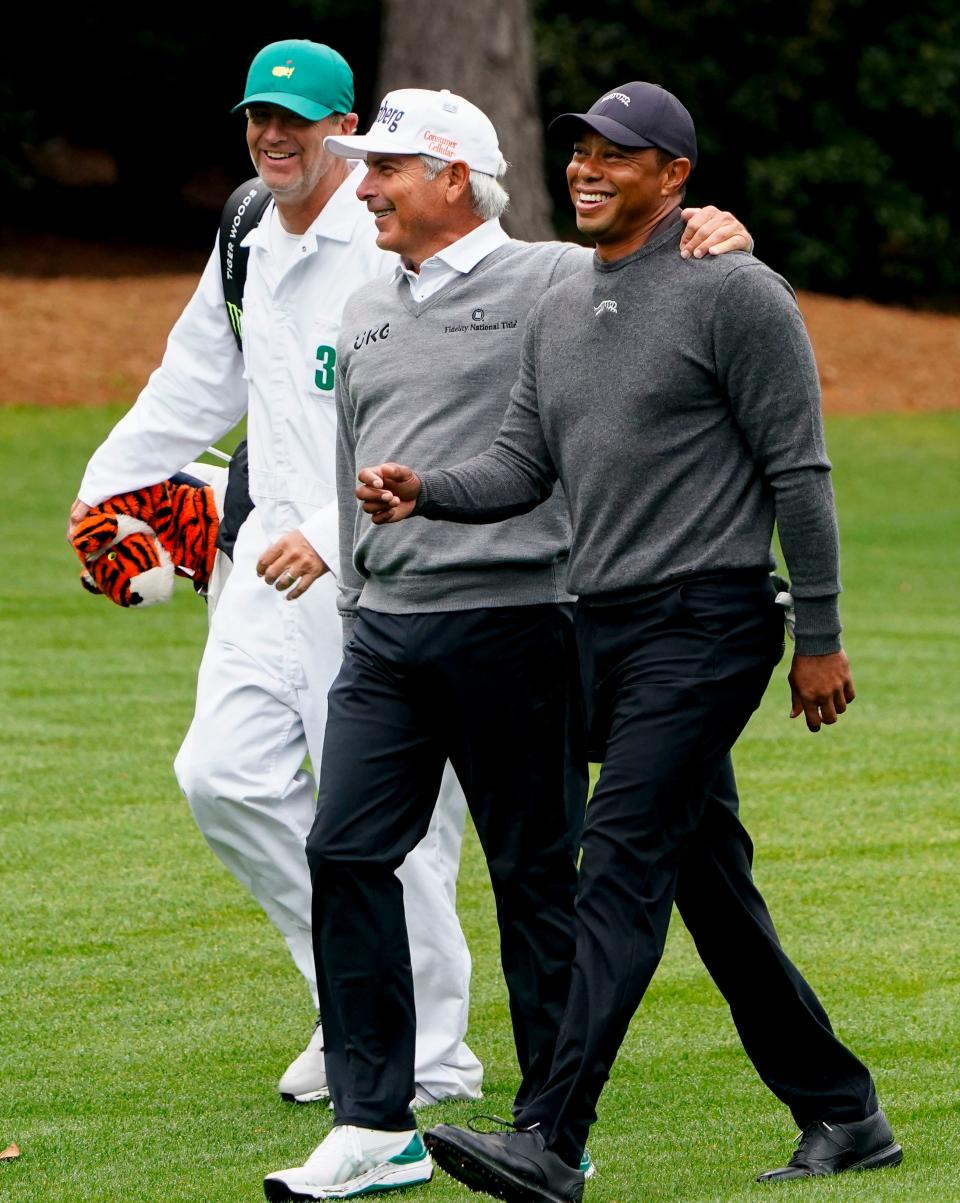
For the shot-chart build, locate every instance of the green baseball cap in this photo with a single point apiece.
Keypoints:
(308, 78)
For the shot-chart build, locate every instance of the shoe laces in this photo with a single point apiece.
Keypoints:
(802, 1135)
(801, 1138)
(499, 1121)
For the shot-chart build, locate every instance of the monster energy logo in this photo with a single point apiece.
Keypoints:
(235, 313)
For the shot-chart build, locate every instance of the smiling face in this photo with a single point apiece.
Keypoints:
(620, 193)
(416, 216)
(288, 153)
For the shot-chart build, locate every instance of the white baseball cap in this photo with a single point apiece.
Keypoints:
(417, 121)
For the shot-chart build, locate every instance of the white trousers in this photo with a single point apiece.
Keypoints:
(260, 711)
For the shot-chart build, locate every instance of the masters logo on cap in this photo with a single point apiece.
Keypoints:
(417, 121)
(307, 78)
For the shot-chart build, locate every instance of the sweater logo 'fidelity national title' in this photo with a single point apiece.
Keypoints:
(480, 322)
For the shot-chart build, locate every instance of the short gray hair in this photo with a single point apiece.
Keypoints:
(489, 197)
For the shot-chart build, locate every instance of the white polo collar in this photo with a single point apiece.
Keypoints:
(337, 220)
(463, 255)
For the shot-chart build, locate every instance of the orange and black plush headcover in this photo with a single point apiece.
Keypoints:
(132, 545)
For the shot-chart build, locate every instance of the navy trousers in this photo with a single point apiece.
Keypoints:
(671, 680)
(495, 692)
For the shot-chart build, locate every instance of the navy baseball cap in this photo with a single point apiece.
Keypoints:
(638, 115)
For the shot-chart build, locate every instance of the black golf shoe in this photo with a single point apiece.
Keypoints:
(514, 1166)
(825, 1149)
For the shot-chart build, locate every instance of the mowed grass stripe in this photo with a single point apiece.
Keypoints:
(147, 1007)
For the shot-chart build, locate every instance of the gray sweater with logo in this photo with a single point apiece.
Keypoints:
(678, 403)
(426, 384)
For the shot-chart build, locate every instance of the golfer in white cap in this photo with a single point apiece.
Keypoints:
(462, 643)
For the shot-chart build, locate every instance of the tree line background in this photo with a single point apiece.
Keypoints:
(832, 127)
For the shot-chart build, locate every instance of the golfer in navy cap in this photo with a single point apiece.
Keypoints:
(677, 403)
(637, 116)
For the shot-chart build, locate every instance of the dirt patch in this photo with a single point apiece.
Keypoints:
(82, 325)
(873, 357)
(84, 342)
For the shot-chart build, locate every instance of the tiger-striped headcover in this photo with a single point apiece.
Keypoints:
(128, 535)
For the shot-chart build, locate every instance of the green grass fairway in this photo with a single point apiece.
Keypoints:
(147, 1007)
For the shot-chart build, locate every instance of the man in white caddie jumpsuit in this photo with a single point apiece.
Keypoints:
(275, 640)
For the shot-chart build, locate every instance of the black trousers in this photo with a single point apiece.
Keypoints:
(495, 691)
(672, 680)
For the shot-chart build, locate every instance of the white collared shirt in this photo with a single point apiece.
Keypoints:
(454, 260)
(284, 380)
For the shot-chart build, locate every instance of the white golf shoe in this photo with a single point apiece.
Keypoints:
(354, 1161)
(305, 1079)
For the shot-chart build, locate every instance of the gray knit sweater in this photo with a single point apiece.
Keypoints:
(426, 384)
(678, 402)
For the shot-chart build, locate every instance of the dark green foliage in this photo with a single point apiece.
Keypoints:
(830, 126)
(157, 97)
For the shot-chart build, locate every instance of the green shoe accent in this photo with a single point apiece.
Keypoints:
(587, 1168)
(415, 1151)
(381, 1188)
